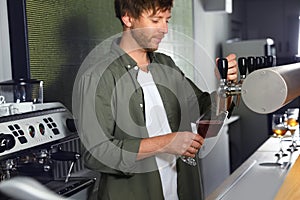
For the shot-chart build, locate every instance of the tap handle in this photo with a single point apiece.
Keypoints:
(223, 67)
(270, 61)
(242, 63)
(259, 62)
(264, 61)
(251, 64)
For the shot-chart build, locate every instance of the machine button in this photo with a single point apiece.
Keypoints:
(16, 126)
(55, 131)
(54, 125)
(45, 120)
(11, 127)
(15, 133)
(50, 119)
(22, 139)
(49, 125)
(21, 132)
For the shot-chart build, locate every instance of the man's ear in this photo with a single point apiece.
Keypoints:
(127, 20)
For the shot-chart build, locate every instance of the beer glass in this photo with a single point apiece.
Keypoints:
(292, 124)
(279, 128)
(208, 125)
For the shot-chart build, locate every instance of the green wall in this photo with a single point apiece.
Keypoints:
(62, 32)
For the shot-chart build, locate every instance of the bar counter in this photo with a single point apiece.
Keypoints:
(259, 178)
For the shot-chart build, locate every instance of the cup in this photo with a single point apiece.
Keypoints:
(4, 109)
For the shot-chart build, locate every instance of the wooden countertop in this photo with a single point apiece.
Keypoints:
(290, 188)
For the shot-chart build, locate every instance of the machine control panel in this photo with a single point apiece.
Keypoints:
(45, 124)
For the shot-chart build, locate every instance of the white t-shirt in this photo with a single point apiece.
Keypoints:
(157, 124)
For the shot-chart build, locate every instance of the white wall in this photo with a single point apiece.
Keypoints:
(5, 62)
(210, 30)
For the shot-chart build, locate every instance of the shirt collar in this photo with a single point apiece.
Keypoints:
(126, 59)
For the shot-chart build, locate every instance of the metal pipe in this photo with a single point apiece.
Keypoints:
(266, 90)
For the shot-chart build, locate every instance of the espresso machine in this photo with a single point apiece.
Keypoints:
(38, 141)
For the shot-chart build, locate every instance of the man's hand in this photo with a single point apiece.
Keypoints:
(232, 74)
(177, 143)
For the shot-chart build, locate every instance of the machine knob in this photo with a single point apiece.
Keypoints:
(71, 125)
(223, 67)
(7, 142)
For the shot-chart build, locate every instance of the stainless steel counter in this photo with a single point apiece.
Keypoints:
(257, 178)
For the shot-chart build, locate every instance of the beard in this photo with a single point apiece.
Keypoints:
(146, 39)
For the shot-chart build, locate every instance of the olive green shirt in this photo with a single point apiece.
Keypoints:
(111, 124)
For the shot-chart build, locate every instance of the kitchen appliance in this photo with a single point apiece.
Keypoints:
(42, 143)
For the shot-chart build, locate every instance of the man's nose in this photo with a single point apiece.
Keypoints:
(164, 27)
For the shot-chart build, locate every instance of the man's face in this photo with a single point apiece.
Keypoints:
(149, 29)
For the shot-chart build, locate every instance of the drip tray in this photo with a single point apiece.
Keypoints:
(72, 187)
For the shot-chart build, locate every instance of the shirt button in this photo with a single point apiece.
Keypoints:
(128, 66)
(136, 68)
(141, 105)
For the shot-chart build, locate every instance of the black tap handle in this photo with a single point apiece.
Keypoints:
(242, 63)
(259, 62)
(251, 64)
(264, 61)
(223, 67)
(270, 61)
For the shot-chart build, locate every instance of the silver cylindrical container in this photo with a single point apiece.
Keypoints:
(267, 90)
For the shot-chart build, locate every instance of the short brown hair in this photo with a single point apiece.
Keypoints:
(136, 7)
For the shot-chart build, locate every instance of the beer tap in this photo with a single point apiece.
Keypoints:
(271, 61)
(251, 64)
(242, 64)
(223, 70)
(228, 89)
(259, 62)
(224, 88)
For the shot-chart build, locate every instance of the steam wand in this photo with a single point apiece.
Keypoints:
(66, 156)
